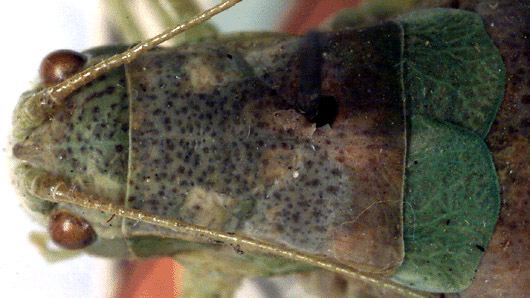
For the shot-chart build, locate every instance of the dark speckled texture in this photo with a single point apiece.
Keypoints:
(215, 141)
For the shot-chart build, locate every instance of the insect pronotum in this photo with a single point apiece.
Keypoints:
(297, 152)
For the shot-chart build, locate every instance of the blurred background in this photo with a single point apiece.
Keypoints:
(32, 29)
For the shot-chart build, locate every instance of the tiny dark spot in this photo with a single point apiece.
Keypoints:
(479, 247)
(525, 99)
(335, 172)
(296, 217)
(454, 4)
(525, 123)
(332, 189)
(313, 182)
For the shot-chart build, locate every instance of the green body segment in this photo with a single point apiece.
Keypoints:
(453, 71)
(454, 83)
(451, 206)
(211, 133)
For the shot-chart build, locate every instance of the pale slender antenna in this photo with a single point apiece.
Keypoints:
(59, 92)
(55, 189)
(56, 95)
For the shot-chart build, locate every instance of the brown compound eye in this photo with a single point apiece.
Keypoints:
(70, 231)
(60, 65)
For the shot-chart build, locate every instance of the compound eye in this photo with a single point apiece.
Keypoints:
(70, 231)
(59, 65)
